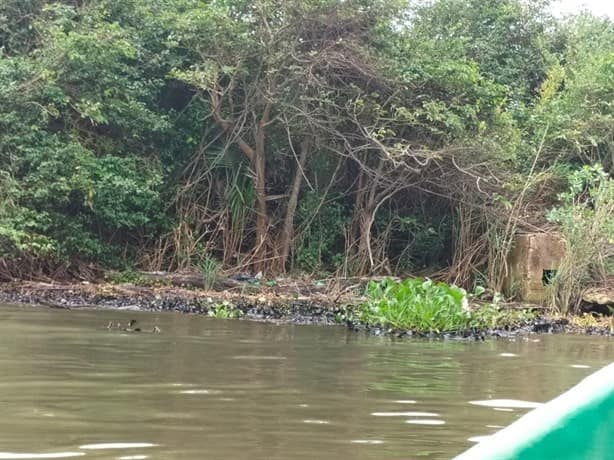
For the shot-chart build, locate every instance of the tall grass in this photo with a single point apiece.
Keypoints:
(210, 270)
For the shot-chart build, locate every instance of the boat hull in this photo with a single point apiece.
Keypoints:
(577, 425)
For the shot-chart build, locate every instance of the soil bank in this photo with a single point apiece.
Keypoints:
(269, 305)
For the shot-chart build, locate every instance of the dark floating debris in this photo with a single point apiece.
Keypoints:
(132, 327)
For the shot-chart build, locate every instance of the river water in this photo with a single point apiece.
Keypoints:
(228, 389)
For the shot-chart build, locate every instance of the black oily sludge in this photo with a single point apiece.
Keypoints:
(538, 325)
(286, 311)
(296, 311)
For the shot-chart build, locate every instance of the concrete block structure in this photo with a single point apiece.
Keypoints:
(532, 263)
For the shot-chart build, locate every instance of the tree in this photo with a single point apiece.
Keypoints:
(269, 67)
(575, 106)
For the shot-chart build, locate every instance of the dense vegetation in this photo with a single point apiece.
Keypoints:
(364, 136)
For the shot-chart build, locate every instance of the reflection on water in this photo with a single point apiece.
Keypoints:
(425, 422)
(509, 403)
(117, 445)
(13, 455)
(217, 389)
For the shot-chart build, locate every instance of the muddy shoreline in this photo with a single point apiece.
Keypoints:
(315, 309)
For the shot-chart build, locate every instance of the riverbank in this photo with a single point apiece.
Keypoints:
(270, 304)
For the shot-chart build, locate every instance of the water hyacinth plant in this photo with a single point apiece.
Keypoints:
(423, 305)
(417, 304)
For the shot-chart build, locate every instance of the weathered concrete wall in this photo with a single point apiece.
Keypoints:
(531, 255)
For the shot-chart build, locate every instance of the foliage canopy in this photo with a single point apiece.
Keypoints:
(361, 136)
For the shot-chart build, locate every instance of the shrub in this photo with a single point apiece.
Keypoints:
(587, 226)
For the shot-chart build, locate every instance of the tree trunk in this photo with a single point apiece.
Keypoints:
(365, 208)
(364, 242)
(360, 230)
(287, 232)
(259, 165)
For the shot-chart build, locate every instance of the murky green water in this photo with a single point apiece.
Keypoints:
(216, 389)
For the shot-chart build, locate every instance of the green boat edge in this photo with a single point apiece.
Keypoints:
(577, 425)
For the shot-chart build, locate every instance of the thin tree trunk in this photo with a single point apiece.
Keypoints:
(365, 207)
(360, 228)
(261, 211)
(287, 232)
(259, 165)
(364, 243)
